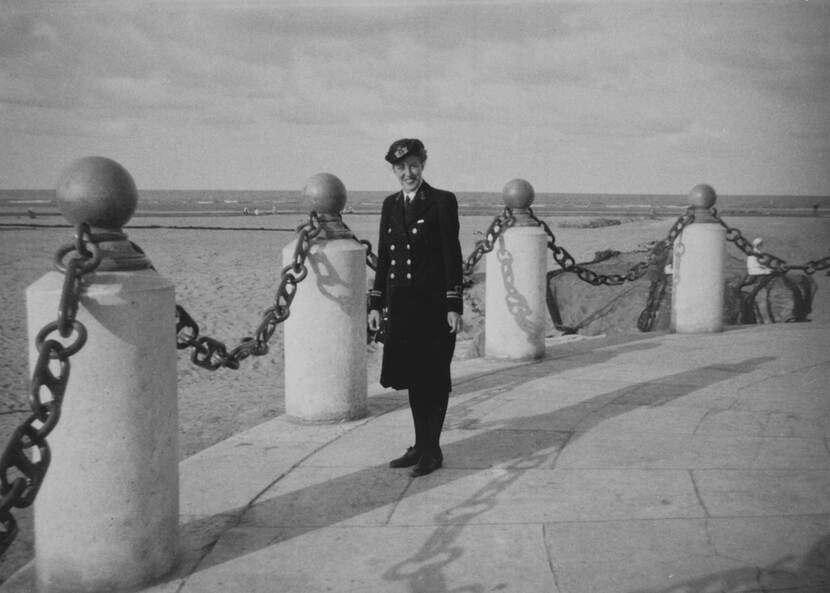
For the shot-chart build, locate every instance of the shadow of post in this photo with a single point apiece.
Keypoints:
(516, 302)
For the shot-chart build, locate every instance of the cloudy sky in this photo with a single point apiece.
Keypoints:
(618, 97)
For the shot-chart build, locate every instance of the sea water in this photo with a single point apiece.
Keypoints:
(33, 203)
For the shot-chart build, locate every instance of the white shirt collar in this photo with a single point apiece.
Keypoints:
(413, 193)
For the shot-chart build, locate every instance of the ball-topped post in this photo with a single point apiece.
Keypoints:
(518, 195)
(514, 326)
(325, 335)
(698, 266)
(325, 194)
(702, 197)
(123, 533)
(100, 192)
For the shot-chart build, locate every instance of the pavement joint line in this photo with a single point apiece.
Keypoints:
(570, 434)
(398, 501)
(711, 412)
(237, 516)
(780, 375)
(698, 495)
(549, 557)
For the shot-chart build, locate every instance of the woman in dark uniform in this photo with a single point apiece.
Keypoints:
(418, 281)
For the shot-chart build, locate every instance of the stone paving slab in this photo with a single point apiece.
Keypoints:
(692, 555)
(736, 493)
(772, 423)
(606, 448)
(378, 560)
(523, 494)
(269, 451)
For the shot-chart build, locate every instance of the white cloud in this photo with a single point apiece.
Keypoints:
(522, 79)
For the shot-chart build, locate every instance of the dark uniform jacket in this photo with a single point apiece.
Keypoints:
(418, 281)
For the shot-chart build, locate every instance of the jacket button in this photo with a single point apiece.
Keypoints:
(409, 262)
(409, 275)
(392, 275)
(414, 231)
(391, 248)
(393, 262)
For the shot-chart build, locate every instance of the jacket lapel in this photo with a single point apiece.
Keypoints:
(419, 205)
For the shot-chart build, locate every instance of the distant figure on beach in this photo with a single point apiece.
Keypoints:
(754, 268)
(758, 277)
(418, 282)
(31, 213)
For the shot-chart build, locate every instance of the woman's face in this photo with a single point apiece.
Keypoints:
(409, 172)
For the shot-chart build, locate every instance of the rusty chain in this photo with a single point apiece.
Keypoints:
(500, 223)
(767, 259)
(210, 353)
(20, 492)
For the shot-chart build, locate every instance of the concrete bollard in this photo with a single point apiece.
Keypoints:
(698, 267)
(106, 518)
(325, 334)
(514, 325)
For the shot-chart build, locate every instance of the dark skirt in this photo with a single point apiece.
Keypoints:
(419, 346)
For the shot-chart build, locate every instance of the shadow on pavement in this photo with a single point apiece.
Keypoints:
(786, 575)
(298, 512)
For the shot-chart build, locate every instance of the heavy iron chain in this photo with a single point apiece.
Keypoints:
(20, 492)
(210, 353)
(500, 223)
(568, 263)
(657, 288)
(766, 259)
(371, 257)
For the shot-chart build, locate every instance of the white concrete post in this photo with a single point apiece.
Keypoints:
(698, 269)
(514, 325)
(106, 518)
(325, 333)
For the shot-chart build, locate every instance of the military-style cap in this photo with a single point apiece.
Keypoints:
(404, 147)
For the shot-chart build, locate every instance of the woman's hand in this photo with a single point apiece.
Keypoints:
(454, 321)
(374, 320)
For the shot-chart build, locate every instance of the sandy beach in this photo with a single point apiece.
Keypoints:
(226, 278)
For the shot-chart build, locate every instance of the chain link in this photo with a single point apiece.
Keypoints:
(371, 258)
(20, 492)
(210, 353)
(657, 288)
(500, 223)
(767, 259)
(568, 263)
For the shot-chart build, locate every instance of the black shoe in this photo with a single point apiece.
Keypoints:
(426, 465)
(408, 459)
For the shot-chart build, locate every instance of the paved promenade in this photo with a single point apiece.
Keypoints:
(654, 463)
